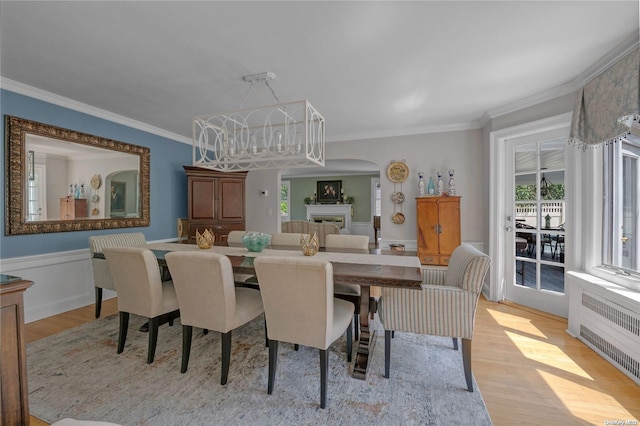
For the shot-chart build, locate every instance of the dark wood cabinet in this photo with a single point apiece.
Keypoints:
(216, 201)
(438, 228)
(13, 377)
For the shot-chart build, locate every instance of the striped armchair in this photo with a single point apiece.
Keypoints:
(445, 306)
(101, 275)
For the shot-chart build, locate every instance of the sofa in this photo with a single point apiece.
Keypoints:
(304, 227)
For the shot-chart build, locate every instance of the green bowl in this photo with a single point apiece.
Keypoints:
(256, 242)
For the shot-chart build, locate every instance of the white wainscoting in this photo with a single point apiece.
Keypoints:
(61, 282)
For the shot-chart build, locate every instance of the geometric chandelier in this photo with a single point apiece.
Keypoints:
(285, 135)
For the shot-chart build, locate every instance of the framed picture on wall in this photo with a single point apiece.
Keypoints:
(329, 191)
(118, 192)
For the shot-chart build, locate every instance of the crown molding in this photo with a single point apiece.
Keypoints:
(52, 98)
(471, 125)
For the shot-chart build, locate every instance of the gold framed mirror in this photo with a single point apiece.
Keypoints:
(52, 175)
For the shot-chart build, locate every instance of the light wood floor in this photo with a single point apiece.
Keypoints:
(529, 370)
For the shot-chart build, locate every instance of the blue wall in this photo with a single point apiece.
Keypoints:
(168, 181)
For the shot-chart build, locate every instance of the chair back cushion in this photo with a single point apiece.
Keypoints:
(289, 239)
(205, 288)
(459, 274)
(101, 276)
(355, 243)
(297, 294)
(136, 275)
(235, 237)
(305, 227)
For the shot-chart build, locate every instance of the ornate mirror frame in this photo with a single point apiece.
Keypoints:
(16, 130)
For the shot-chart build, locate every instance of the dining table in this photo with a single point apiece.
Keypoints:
(380, 268)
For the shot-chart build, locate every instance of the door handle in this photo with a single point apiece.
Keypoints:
(509, 229)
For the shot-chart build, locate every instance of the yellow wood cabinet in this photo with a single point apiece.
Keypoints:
(438, 221)
(73, 208)
(216, 202)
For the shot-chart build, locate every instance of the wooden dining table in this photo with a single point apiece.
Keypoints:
(379, 268)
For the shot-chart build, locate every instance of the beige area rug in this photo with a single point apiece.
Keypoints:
(78, 374)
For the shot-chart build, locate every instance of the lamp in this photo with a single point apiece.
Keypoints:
(545, 186)
(285, 135)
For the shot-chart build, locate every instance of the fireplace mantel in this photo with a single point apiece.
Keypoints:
(323, 210)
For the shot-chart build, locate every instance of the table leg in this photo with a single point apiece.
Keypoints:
(367, 337)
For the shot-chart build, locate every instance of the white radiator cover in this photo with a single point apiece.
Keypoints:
(606, 317)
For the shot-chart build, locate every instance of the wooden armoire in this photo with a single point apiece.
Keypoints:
(216, 201)
(438, 228)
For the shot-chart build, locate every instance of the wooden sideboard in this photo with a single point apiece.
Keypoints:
(13, 385)
(216, 201)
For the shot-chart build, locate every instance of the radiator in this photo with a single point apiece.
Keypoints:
(607, 322)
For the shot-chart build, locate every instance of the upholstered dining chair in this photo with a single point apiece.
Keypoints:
(349, 292)
(209, 299)
(141, 291)
(445, 306)
(234, 239)
(286, 239)
(101, 275)
(299, 308)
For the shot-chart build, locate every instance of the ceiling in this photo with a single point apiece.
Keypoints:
(373, 69)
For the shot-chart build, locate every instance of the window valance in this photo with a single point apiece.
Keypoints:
(609, 104)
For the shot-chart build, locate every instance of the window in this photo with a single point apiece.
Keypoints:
(285, 204)
(376, 196)
(621, 244)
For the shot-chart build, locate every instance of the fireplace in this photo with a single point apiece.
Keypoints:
(337, 213)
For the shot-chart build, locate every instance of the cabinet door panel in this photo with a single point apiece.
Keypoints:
(203, 199)
(450, 223)
(427, 235)
(232, 193)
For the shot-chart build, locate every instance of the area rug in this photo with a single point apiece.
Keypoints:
(78, 374)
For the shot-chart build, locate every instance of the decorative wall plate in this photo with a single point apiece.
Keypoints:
(397, 197)
(95, 182)
(95, 198)
(398, 172)
(398, 218)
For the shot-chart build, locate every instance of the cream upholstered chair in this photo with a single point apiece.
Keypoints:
(101, 276)
(140, 291)
(299, 308)
(234, 239)
(349, 292)
(445, 306)
(209, 299)
(286, 239)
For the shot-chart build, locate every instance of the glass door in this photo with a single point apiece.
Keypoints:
(536, 222)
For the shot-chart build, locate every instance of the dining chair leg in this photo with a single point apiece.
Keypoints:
(98, 301)
(187, 332)
(273, 362)
(205, 331)
(356, 325)
(266, 338)
(154, 323)
(226, 356)
(296, 346)
(455, 343)
(466, 362)
(122, 334)
(324, 369)
(387, 352)
(349, 342)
